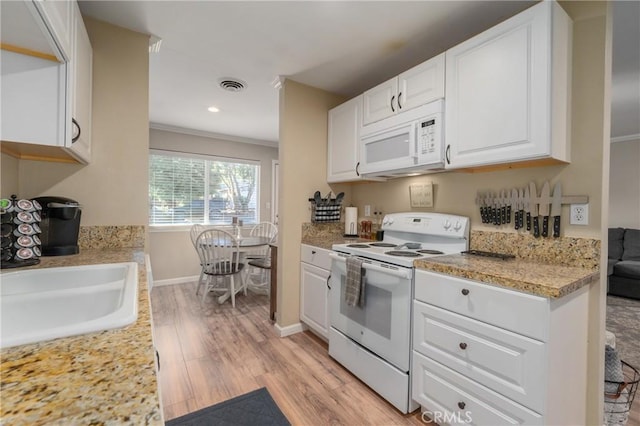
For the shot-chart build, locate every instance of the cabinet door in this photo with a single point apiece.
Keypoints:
(421, 84)
(58, 16)
(498, 92)
(313, 298)
(81, 96)
(343, 141)
(33, 101)
(380, 102)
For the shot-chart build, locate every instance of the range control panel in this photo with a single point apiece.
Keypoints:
(427, 223)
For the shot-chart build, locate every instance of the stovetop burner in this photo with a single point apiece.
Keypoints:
(382, 245)
(426, 251)
(402, 253)
(358, 245)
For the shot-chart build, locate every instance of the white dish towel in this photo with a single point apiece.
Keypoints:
(354, 285)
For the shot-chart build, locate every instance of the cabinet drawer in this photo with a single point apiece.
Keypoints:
(315, 256)
(497, 306)
(448, 394)
(508, 363)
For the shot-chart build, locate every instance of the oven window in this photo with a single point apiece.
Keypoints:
(387, 149)
(375, 315)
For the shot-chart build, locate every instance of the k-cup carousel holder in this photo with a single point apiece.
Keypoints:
(20, 232)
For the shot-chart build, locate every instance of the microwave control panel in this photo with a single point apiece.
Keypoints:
(429, 144)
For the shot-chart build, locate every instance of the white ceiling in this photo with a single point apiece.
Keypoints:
(344, 47)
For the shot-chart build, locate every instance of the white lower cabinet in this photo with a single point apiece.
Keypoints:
(471, 367)
(315, 269)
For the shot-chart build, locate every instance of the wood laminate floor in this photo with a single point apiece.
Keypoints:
(210, 353)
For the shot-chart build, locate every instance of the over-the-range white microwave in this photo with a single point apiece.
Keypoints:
(406, 143)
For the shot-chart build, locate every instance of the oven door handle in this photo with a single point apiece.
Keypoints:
(402, 273)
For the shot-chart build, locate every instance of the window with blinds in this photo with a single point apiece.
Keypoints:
(187, 189)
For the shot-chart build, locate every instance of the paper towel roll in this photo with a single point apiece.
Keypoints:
(351, 221)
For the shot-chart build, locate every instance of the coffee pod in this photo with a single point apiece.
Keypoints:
(24, 217)
(36, 240)
(7, 255)
(24, 241)
(36, 228)
(36, 205)
(25, 206)
(6, 217)
(6, 205)
(25, 253)
(5, 242)
(36, 251)
(24, 229)
(5, 229)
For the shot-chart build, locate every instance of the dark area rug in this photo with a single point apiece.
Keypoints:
(623, 320)
(251, 409)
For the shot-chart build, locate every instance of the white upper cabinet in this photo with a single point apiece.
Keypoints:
(46, 81)
(507, 91)
(415, 87)
(81, 97)
(343, 141)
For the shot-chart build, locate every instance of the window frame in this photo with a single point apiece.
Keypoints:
(206, 157)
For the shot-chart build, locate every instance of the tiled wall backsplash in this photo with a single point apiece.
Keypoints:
(116, 236)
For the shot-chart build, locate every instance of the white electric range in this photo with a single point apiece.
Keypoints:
(374, 340)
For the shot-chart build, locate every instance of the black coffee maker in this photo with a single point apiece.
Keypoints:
(60, 225)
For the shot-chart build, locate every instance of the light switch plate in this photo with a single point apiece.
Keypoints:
(421, 194)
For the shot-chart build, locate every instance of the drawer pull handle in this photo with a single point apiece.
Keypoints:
(465, 291)
(463, 346)
(461, 405)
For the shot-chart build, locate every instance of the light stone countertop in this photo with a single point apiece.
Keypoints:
(107, 377)
(533, 277)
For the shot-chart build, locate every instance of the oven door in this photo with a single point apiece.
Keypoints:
(383, 324)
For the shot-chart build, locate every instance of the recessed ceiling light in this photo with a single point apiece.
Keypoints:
(213, 109)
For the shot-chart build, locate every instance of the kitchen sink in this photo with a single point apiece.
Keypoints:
(48, 303)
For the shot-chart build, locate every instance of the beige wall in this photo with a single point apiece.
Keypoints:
(113, 187)
(303, 170)
(172, 255)
(9, 176)
(624, 185)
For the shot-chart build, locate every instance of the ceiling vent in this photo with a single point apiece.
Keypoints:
(232, 84)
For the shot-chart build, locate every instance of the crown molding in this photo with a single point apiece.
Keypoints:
(212, 135)
(626, 138)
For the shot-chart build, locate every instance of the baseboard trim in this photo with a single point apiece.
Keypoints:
(290, 329)
(172, 281)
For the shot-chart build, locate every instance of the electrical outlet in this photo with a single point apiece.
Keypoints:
(367, 210)
(579, 214)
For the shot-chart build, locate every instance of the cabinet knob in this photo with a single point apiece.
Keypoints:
(463, 346)
(313, 252)
(461, 405)
(465, 291)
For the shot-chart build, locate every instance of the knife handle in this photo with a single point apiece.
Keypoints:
(556, 226)
(496, 216)
(509, 213)
(516, 219)
(536, 227)
(528, 221)
(483, 216)
(545, 226)
(521, 220)
(503, 215)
